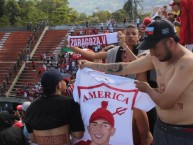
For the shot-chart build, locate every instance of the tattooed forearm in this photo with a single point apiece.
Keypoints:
(108, 68)
(114, 68)
(158, 72)
(182, 67)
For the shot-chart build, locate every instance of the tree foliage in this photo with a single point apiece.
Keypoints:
(12, 11)
(57, 12)
(120, 15)
(2, 7)
(102, 16)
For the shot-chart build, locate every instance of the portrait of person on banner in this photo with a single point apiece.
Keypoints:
(101, 126)
(106, 104)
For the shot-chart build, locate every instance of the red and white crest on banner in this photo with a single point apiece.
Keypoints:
(104, 91)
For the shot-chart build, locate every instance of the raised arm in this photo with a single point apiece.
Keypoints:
(89, 55)
(140, 65)
(121, 38)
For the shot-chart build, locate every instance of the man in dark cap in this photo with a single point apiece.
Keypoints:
(174, 67)
(53, 118)
(10, 135)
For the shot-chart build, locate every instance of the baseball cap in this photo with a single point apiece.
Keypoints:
(156, 31)
(25, 105)
(173, 3)
(146, 21)
(51, 78)
(19, 107)
(102, 113)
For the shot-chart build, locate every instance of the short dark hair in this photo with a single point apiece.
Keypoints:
(131, 26)
(49, 91)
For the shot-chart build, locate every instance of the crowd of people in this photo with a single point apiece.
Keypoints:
(157, 55)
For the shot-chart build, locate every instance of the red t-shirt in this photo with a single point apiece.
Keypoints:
(88, 142)
(186, 18)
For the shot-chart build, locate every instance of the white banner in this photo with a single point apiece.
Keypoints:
(86, 40)
(107, 103)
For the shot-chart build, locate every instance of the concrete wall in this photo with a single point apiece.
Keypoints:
(10, 29)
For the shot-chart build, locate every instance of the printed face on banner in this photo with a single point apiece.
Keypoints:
(107, 103)
(100, 131)
(104, 109)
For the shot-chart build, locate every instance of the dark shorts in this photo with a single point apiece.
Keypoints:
(165, 134)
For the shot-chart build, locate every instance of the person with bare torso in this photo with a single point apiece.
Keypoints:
(52, 119)
(174, 68)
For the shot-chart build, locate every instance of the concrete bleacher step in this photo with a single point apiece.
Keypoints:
(5, 36)
(52, 41)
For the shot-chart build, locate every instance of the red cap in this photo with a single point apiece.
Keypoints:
(19, 107)
(146, 21)
(67, 79)
(103, 113)
(173, 3)
(75, 56)
(18, 124)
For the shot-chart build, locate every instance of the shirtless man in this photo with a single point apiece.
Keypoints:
(53, 118)
(173, 97)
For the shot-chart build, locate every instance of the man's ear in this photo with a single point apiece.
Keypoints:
(170, 42)
(58, 85)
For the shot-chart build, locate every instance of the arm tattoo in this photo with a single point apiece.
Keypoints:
(158, 72)
(182, 67)
(114, 68)
(109, 68)
(52, 140)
